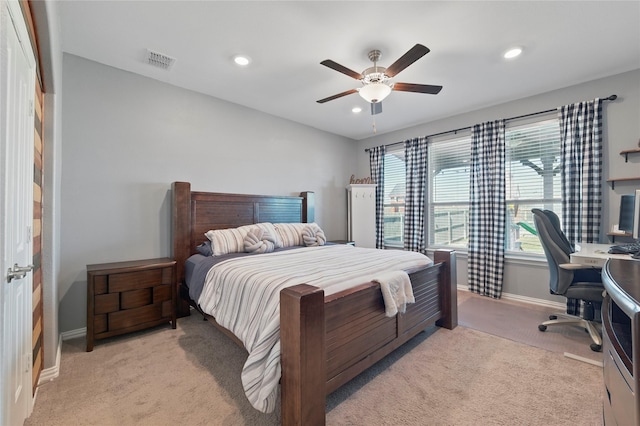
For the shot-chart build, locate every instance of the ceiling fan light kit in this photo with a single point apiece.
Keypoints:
(376, 81)
(374, 92)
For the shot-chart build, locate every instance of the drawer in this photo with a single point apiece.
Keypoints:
(105, 303)
(619, 393)
(100, 284)
(135, 280)
(161, 293)
(131, 317)
(100, 323)
(136, 298)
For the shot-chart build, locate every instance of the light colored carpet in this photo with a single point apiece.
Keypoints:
(519, 322)
(191, 375)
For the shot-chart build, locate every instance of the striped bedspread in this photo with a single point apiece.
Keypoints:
(243, 295)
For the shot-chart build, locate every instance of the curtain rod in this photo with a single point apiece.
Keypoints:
(608, 98)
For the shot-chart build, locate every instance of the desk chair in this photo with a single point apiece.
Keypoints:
(573, 281)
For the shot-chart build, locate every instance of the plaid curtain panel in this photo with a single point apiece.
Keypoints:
(581, 170)
(581, 165)
(415, 152)
(376, 164)
(487, 209)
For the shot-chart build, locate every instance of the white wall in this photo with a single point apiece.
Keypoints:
(127, 137)
(621, 131)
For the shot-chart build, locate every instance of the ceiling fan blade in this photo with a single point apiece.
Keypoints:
(339, 95)
(344, 70)
(415, 53)
(376, 108)
(418, 88)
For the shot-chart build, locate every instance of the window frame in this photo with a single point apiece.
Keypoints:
(431, 205)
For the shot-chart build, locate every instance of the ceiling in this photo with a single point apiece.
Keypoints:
(565, 43)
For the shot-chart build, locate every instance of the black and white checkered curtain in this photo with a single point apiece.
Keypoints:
(581, 170)
(488, 209)
(376, 164)
(415, 153)
(581, 165)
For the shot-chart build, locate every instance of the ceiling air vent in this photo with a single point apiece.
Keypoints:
(159, 60)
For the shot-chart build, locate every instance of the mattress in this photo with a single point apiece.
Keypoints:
(242, 293)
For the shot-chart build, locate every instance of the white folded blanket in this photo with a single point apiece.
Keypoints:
(396, 291)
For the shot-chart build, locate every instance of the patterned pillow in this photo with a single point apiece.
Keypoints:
(271, 230)
(231, 240)
(259, 241)
(313, 235)
(225, 241)
(290, 233)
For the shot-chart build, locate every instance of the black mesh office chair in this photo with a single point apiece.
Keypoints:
(570, 280)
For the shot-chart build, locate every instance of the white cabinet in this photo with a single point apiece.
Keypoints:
(361, 208)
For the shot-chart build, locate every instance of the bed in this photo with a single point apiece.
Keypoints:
(325, 340)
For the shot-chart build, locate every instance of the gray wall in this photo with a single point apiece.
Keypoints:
(525, 278)
(127, 137)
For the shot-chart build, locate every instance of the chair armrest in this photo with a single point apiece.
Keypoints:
(574, 266)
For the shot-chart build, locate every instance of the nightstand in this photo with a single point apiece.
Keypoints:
(129, 296)
(347, 242)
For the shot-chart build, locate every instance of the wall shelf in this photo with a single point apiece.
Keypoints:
(627, 179)
(626, 153)
(613, 235)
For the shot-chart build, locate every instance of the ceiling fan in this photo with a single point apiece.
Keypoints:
(376, 81)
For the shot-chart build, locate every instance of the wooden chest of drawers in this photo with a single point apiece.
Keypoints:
(129, 296)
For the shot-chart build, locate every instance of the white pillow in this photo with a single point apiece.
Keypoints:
(313, 235)
(259, 241)
(231, 240)
(225, 241)
(291, 233)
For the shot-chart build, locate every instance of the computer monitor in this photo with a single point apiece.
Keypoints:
(627, 213)
(636, 215)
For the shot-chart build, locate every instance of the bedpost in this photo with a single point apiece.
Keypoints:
(181, 237)
(302, 355)
(308, 206)
(449, 290)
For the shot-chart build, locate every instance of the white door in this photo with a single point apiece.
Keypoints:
(17, 80)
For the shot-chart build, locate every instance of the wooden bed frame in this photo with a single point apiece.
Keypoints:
(325, 341)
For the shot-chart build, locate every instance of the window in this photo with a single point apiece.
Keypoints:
(394, 192)
(449, 192)
(532, 180)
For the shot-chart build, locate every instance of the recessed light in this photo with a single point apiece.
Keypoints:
(356, 110)
(241, 60)
(512, 53)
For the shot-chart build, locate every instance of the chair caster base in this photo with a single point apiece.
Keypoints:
(553, 317)
(596, 348)
(542, 327)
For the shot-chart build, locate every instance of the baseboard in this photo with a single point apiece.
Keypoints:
(525, 299)
(72, 334)
(48, 374)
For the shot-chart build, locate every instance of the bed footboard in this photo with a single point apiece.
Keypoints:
(325, 342)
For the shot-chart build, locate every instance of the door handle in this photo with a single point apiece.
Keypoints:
(18, 272)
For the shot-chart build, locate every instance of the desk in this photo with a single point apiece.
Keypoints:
(595, 254)
(620, 336)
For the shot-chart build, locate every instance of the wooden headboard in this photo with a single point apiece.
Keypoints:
(194, 213)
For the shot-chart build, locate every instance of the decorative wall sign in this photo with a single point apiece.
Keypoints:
(363, 180)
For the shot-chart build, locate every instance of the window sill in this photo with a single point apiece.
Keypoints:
(526, 260)
(511, 258)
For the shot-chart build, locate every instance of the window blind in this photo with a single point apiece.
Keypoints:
(532, 179)
(394, 195)
(449, 162)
